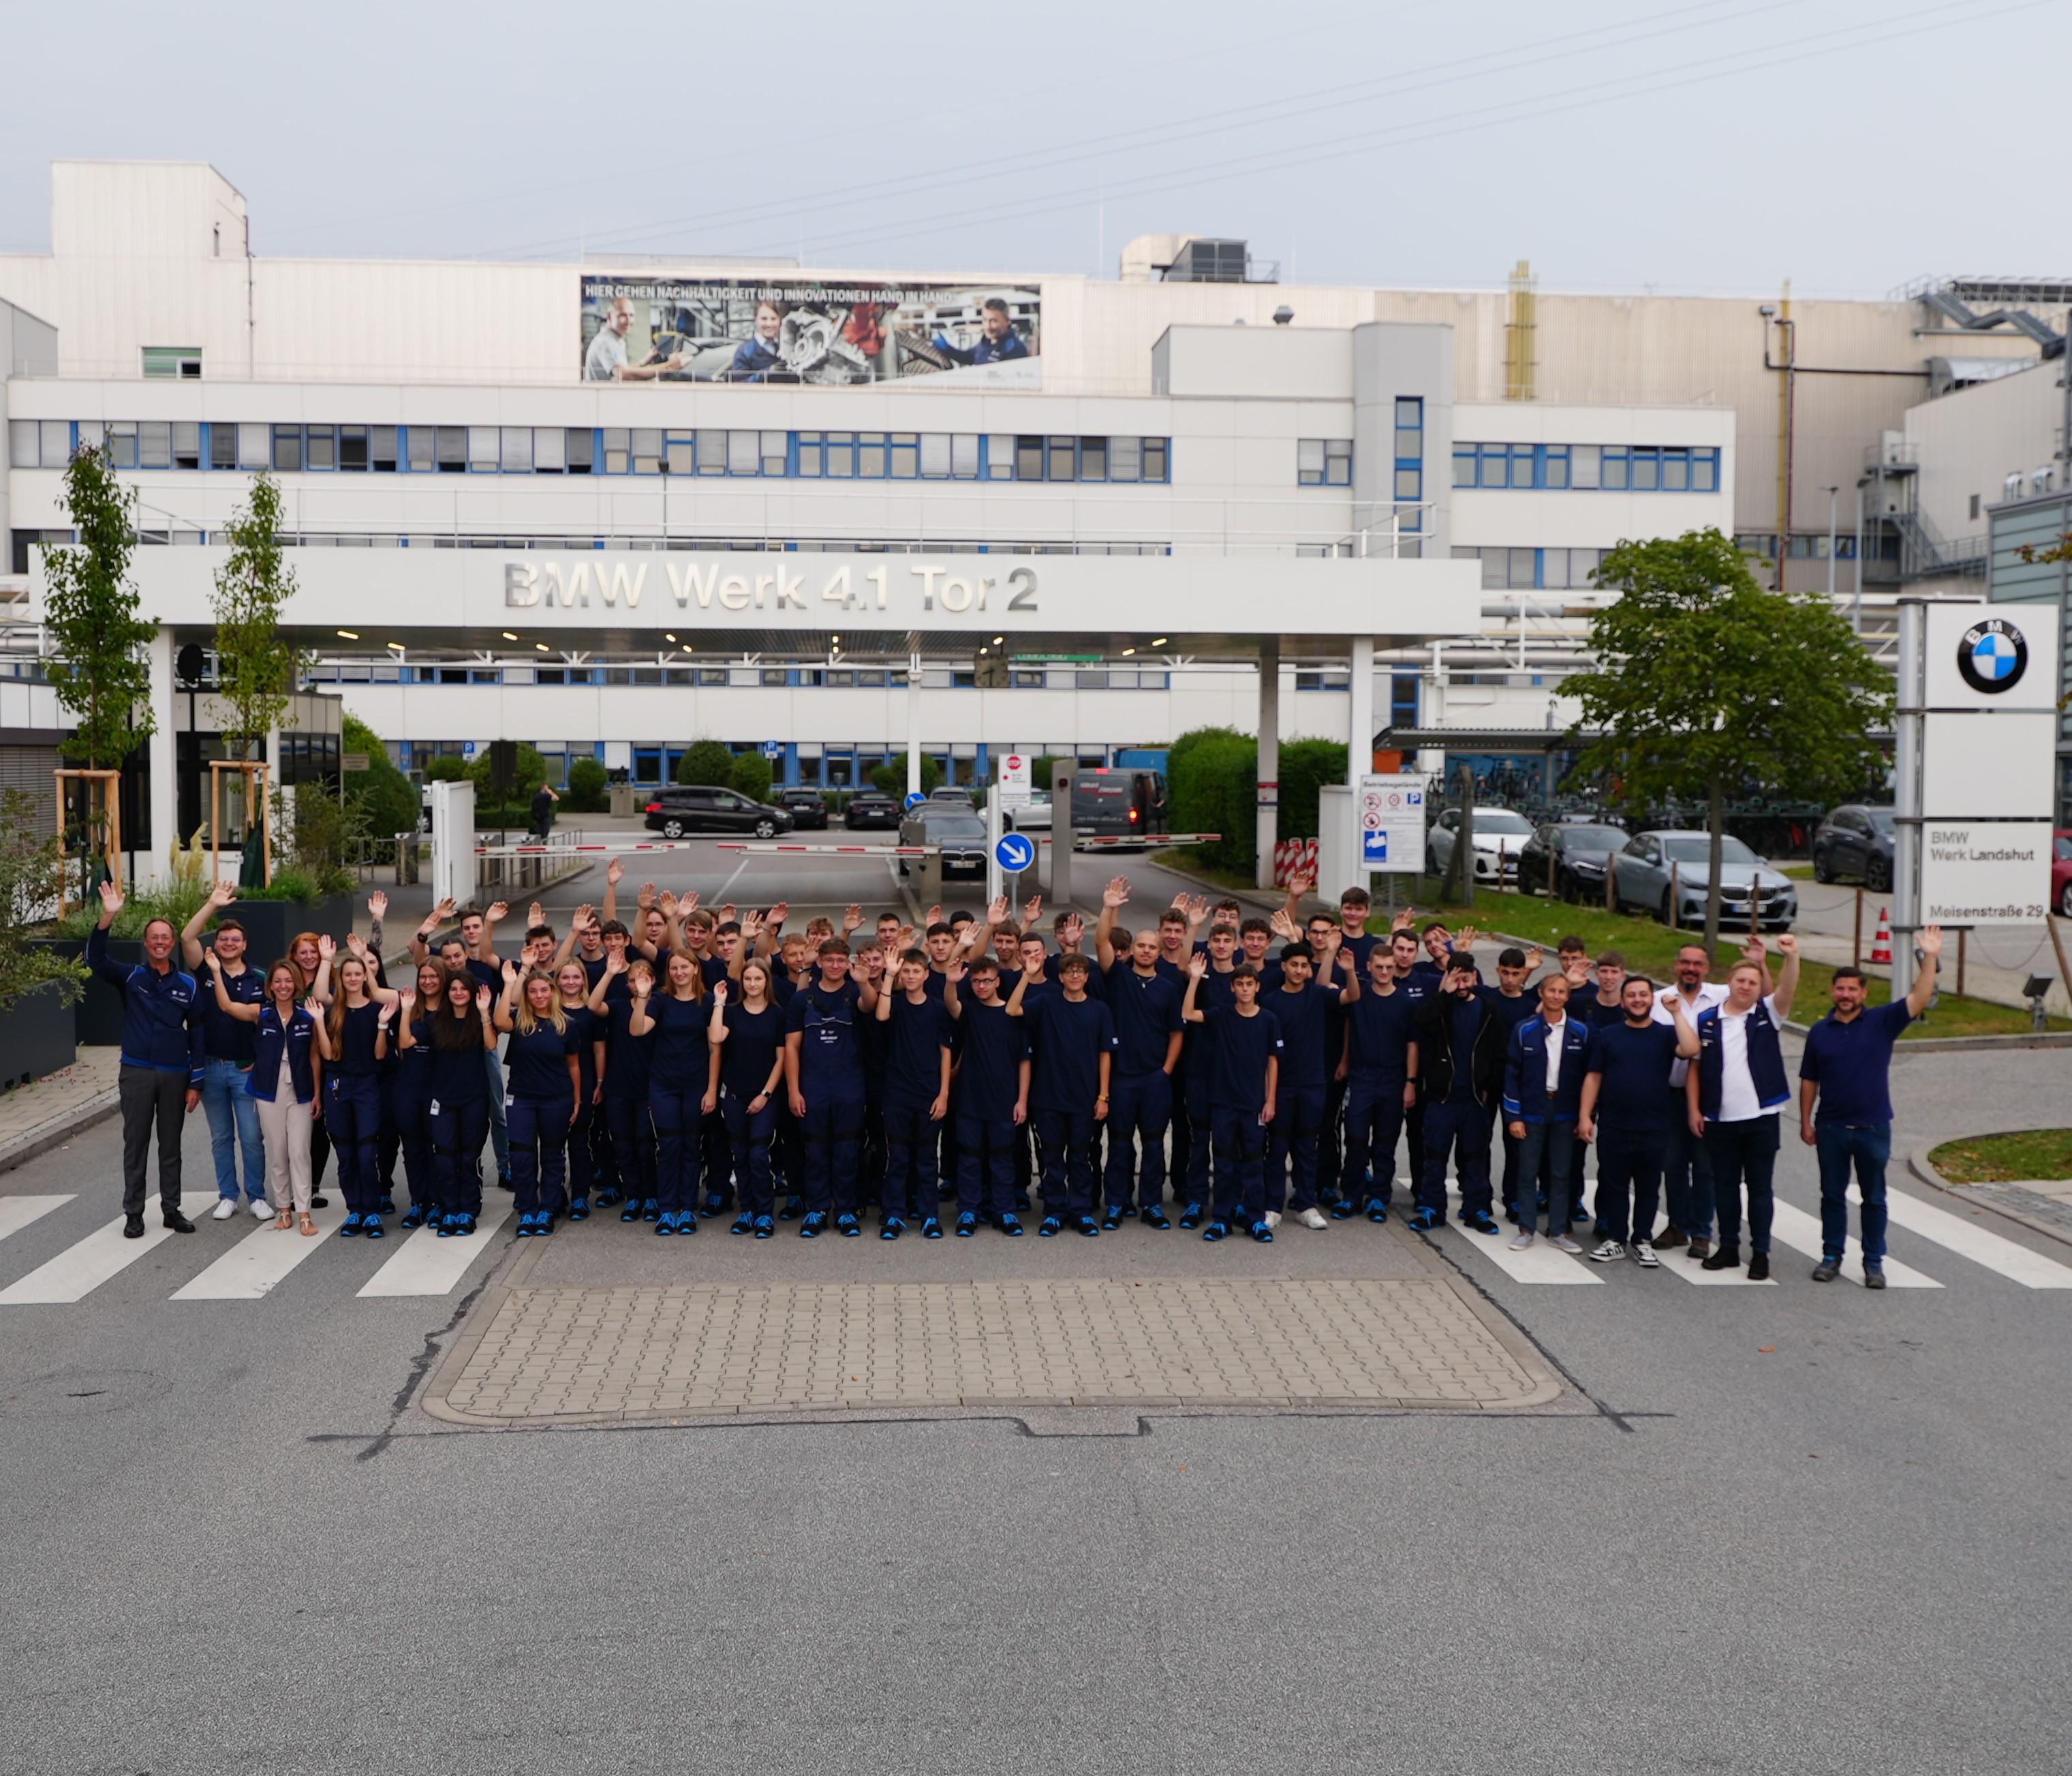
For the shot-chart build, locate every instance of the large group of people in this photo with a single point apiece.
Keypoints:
(685, 1064)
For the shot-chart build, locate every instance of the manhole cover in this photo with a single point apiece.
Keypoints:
(79, 1393)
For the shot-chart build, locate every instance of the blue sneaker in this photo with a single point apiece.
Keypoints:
(1052, 1226)
(1377, 1211)
(1010, 1225)
(386, 1206)
(372, 1229)
(1426, 1221)
(351, 1229)
(1215, 1230)
(1344, 1209)
(1480, 1221)
(848, 1225)
(524, 1230)
(414, 1216)
(967, 1226)
(765, 1227)
(1086, 1225)
(790, 1211)
(650, 1210)
(931, 1229)
(715, 1204)
(666, 1224)
(893, 1227)
(1262, 1233)
(579, 1208)
(606, 1197)
(1190, 1217)
(449, 1225)
(810, 1227)
(631, 1211)
(1155, 1217)
(544, 1226)
(466, 1227)
(743, 1223)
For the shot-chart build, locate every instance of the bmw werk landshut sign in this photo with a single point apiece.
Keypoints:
(1992, 656)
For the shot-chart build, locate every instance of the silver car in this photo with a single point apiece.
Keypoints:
(1500, 835)
(1666, 874)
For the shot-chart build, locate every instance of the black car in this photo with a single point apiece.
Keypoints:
(808, 807)
(674, 813)
(1568, 862)
(1855, 840)
(959, 832)
(871, 808)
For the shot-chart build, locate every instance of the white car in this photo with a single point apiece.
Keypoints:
(1500, 835)
(1033, 816)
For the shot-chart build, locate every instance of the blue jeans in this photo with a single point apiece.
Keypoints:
(1555, 1140)
(352, 1113)
(1868, 1146)
(233, 1121)
(1629, 1181)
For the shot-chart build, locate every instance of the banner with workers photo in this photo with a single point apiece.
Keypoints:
(763, 330)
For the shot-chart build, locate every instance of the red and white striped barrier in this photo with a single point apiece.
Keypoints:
(761, 845)
(1293, 857)
(1141, 841)
(614, 847)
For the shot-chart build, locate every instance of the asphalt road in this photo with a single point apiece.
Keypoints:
(1801, 1528)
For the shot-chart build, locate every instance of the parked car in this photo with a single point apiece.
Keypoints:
(1033, 816)
(1500, 835)
(951, 795)
(1856, 841)
(676, 811)
(960, 832)
(871, 808)
(808, 807)
(2061, 871)
(1656, 867)
(1568, 862)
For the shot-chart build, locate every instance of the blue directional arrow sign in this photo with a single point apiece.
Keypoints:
(1014, 854)
(915, 799)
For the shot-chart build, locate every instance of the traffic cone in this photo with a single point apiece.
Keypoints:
(1881, 944)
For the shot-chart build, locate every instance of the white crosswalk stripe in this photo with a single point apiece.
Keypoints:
(77, 1271)
(18, 1212)
(429, 1265)
(1693, 1271)
(262, 1259)
(1801, 1231)
(1970, 1240)
(1539, 1263)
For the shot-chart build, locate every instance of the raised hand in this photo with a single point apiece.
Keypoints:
(1073, 932)
(1465, 938)
(223, 894)
(995, 913)
(408, 1000)
(646, 898)
(1283, 926)
(444, 910)
(668, 905)
(215, 962)
(687, 903)
(751, 928)
(1198, 964)
(586, 918)
(357, 944)
(1788, 945)
(1404, 921)
(777, 915)
(1117, 893)
(326, 947)
(851, 917)
(310, 1006)
(534, 915)
(1348, 963)
(510, 973)
(1033, 967)
(955, 973)
(1534, 956)
(1197, 907)
(499, 912)
(1032, 910)
(377, 905)
(482, 1000)
(935, 915)
(614, 963)
(1753, 951)
(904, 940)
(1931, 941)
(728, 912)
(719, 991)
(614, 872)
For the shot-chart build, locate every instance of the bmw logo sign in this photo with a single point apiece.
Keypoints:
(1993, 656)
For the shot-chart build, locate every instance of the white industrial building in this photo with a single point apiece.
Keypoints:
(1190, 410)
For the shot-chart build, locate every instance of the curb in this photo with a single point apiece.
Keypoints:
(56, 1133)
(1917, 1163)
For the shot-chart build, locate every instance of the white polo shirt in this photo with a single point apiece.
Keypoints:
(1711, 993)
(1739, 1101)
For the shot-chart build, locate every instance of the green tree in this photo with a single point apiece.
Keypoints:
(891, 777)
(706, 764)
(588, 782)
(531, 772)
(101, 674)
(751, 776)
(1706, 683)
(387, 800)
(255, 669)
(1212, 785)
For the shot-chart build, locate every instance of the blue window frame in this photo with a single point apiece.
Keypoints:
(1410, 460)
(1619, 468)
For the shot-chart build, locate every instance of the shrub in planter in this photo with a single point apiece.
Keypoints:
(40, 985)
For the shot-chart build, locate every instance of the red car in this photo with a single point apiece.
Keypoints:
(2061, 871)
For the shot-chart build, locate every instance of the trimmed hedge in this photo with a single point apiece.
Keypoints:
(1212, 782)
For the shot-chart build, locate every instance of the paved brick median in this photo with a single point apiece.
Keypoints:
(562, 1352)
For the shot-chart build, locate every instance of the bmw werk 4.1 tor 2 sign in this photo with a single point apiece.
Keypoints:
(1992, 656)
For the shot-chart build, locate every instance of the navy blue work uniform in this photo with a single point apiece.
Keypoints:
(163, 1060)
(490, 974)
(1852, 1062)
(1459, 1060)
(1632, 1117)
(679, 1071)
(460, 1113)
(539, 1110)
(1241, 1049)
(1381, 1026)
(625, 1117)
(1145, 1009)
(410, 1107)
(916, 1038)
(1068, 1038)
(1197, 1063)
(825, 1019)
(585, 1029)
(747, 1059)
(1544, 1068)
(352, 1104)
(1513, 1012)
(991, 1049)
(1306, 1064)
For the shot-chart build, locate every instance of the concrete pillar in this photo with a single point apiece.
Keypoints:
(913, 724)
(1359, 747)
(1269, 757)
(1063, 771)
(161, 753)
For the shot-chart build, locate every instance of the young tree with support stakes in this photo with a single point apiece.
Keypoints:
(255, 670)
(1706, 682)
(101, 674)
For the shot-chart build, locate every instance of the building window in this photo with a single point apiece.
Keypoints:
(483, 449)
(1587, 467)
(222, 446)
(871, 451)
(452, 449)
(1324, 462)
(582, 449)
(1000, 448)
(1093, 459)
(514, 449)
(1409, 491)
(288, 449)
(172, 363)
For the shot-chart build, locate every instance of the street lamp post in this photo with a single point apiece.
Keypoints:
(1834, 494)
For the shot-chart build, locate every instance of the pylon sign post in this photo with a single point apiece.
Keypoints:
(1977, 726)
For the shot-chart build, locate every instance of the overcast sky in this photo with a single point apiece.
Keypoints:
(1713, 146)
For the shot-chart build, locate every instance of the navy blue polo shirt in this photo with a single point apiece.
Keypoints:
(1213, 995)
(1069, 1040)
(1241, 1047)
(915, 1037)
(1853, 1061)
(538, 1062)
(1307, 1058)
(750, 1052)
(1382, 1027)
(1510, 1012)
(989, 1066)
(680, 1056)
(1634, 1068)
(225, 1038)
(1146, 1010)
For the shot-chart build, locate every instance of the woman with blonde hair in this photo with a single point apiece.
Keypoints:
(546, 1085)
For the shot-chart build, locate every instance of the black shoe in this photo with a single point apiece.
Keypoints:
(1827, 1270)
(1086, 1225)
(1344, 1210)
(1192, 1216)
(178, 1222)
(1758, 1267)
(1723, 1258)
(386, 1206)
(133, 1227)
(1156, 1218)
(319, 1201)
(1112, 1220)
(1873, 1275)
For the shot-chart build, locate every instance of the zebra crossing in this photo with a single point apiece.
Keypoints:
(1793, 1230)
(255, 1265)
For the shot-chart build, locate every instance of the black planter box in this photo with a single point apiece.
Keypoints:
(38, 1034)
(268, 925)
